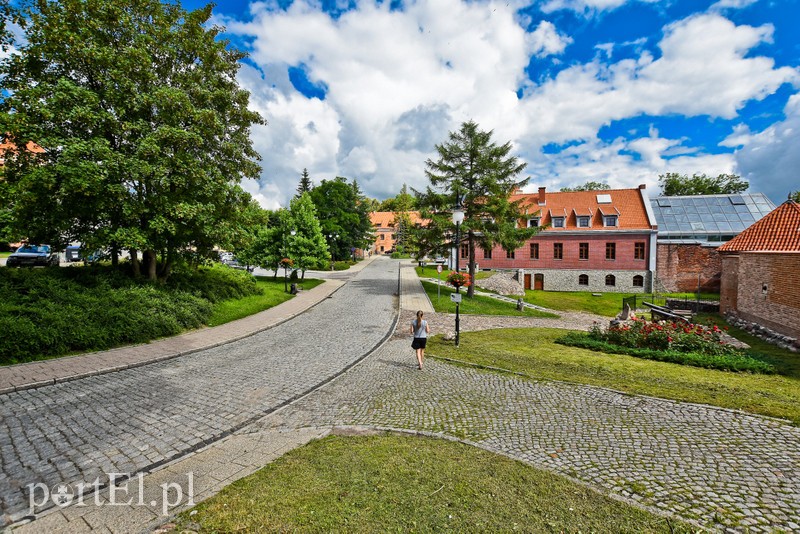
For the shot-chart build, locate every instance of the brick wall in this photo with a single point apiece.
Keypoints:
(729, 283)
(678, 266)
(769, 290)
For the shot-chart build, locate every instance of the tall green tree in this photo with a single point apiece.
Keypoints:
(404, 201)
(674, 184)
(305, 184)
(475, 172)
(308, 246)
(588, 186)
(342, 211)
(145, 129)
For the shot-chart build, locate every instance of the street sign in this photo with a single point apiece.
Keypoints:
(455, 297)
(439, 268)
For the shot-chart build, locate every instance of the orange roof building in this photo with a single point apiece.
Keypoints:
(761, 272)
(386, 231)
(7, 147)
(600, 241)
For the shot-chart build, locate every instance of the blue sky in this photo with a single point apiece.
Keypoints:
(606, 90)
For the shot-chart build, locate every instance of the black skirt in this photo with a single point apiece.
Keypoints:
(419, 343)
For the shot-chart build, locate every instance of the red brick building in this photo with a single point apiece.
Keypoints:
(761, 271)
(386, 231)
(590, 241)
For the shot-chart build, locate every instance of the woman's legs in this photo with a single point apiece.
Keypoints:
(420, 356)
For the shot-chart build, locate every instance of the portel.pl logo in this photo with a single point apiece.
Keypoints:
(122, 491)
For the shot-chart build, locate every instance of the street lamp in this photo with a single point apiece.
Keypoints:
(286, 261)
(458, 218)
(333, 238)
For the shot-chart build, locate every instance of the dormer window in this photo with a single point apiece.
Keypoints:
(533, 222)
(609, 220)
(558, 222)
(584, 221)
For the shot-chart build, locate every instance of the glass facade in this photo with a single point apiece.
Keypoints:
(708, 218)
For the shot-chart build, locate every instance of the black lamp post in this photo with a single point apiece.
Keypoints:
(332, 238)
(286, 265)
(458, 218)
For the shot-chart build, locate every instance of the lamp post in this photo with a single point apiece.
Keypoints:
(458, 218)
(333, 238)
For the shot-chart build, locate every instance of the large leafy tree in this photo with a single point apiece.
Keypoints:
(308, 246)
(404, 201)
(475, 172)
(343, 212)
(674, 184)
(588, 186)
(145, 129)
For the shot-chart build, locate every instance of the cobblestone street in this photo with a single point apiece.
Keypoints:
(128, 421)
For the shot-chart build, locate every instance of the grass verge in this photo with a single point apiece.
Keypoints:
(606, 304)
(396, 483)
(533, 351)
(477, 305)
(429, 271)
(272, 294)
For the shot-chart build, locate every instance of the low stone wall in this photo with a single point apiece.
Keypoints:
(762, 332)
(696, 307)
(567, 280)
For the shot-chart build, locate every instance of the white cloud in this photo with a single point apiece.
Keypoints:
(588, 6)
(770, 159)
(398, 81)
(731, 4)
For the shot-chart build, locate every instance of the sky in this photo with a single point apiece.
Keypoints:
(615, 91)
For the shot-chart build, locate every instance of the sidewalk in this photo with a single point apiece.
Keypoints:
(412, 294)
(44, 373)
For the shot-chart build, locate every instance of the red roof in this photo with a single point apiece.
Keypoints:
(384, 219)
(6, 146)
(627, 204)
(778, 231)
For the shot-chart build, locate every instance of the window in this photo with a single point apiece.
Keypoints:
(583, 280)
(533, 222)
(638, 251)
(487, 254)
(609, 220)
(604, 199)
(583, 251)
(465, 250)
(611, 280)
(383, 236)
(638, 281)
(558, 222)
(558, 251)
(510, 254)
(611, 251)
(583, 221)
(534, 251)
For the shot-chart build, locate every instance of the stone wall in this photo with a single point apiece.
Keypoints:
(504, 283)
(567, 280)
(768, 291)
(729, 283)
(678, 267)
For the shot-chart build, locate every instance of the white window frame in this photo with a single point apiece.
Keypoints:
(561, 222)
(614, 218)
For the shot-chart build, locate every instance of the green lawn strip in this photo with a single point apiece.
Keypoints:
(533, 351)
(272, 295)
(477, 305)
(398, 483)
(5, 254)
(429, 271)
(607, 304)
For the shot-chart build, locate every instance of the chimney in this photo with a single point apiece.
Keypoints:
(642, 186)
(542, 196)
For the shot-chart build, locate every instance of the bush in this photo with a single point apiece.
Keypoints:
(342, 265)
(734, 360)
(49, 312)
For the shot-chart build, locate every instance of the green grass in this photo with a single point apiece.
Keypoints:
(397, 483)
(477, 305)
(532, 351)
(606, 304)
(429, 271)
(5, 254)
(272, 294)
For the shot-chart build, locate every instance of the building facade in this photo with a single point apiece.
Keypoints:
(387, 231)
(761, 272)
(599, 241)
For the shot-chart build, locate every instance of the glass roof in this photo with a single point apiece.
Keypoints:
(705, 215)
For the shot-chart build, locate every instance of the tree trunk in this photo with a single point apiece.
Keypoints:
(136, 266)
(303, 274)
(114, 256)
(149, 258)
(471, 246)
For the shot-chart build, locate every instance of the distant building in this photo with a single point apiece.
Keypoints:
(690, 228)
(600, 241)
(386, 230)
(8, 149)
(761, 271)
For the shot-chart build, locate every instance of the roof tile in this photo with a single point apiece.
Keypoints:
(779, 231)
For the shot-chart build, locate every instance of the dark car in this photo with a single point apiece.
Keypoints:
(77, 253)
(33, 256)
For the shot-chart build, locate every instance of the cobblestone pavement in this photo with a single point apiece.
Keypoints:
(716, 467)
(134, 419)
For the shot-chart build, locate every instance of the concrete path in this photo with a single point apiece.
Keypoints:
(36, 374)
(137, 419)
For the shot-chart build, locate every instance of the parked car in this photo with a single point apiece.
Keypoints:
(77, 253)
(228, 259)
(33, 256)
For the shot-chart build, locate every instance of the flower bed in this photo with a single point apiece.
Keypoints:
(687, 344)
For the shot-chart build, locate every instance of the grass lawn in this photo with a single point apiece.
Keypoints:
(429, 271)
(396, 483)
(5, 254)
(532, 351)
(607, 304)
(477, 305)
(273, 294)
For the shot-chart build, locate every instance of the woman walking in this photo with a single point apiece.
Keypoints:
(420, 331)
